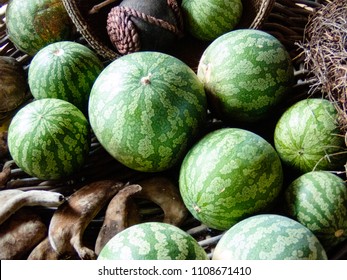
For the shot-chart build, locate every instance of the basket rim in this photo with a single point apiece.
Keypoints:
(105, 51)
(263, 13)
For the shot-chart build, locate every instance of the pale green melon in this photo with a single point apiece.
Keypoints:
(246, 74)
(228, 175)
(152, 241)
(318, 200)
(209, 19)
(307, 137)
(269, 237)
(146, 109)
(49, 139)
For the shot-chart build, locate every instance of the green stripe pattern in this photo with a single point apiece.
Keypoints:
(307, 137)
(152, 241)
(318, 200)
(146, 109)
(246, 73)
(33, 24)
(49, 138)
(65, 70)
(209, 19)
(228, 175)
(269, 237)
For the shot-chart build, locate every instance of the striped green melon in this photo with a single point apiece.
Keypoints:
(246, 73)
(152, 241)
(146, 108)
(269, 237)
(49, 138)
(228, 175)
(307, 137)
(65, 70)
(318, 200)
(33, 24)
(209, 19)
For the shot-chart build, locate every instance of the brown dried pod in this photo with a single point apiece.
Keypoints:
(20, 234)
(70, 220)
(44, 251)
(12, 200)
(163, 192)
(13, 85)
(5, 174)
(117, 216)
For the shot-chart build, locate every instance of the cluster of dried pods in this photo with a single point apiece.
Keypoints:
(24, 234)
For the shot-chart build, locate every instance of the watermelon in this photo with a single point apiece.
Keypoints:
(229, 174)
(146, 109)
(208, 19)
(33, 24)
(246, 73)
(269, 237)
(307, 137)
(65, 70)
(152, 241)
(49, 138)
(318, 200)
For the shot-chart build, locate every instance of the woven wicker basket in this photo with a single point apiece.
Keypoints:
(285, 19)
(93, 29)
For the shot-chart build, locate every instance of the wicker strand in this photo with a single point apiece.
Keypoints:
(123, 33)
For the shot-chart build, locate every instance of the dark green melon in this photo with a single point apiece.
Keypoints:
(152, 241)
(318, 200)
(65, 70)
(146, 109)
(209, 19)
(49, 138)
(246, 74)
(33, 24)
(269, 237)
(307, 137)
(228, 175)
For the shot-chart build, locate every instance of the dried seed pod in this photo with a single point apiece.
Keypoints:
(43, 251)
(165, 194)
(116, 216)
(5, 174)
(3, 145)
(13, 85)
(70, 220)
(20, 234)
(13, 200)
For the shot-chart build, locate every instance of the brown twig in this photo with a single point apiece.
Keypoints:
(98, 7)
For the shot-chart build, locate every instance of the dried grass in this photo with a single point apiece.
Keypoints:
(325, 46)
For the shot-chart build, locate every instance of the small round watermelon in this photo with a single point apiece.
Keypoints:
(65, 70)
(152, 241)
(307, 137)
(318, 200)
(269, 237)
(146, 109)
(246, 74)
(49, 138)
(33, 24)
(209, 19)
(228, 175)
